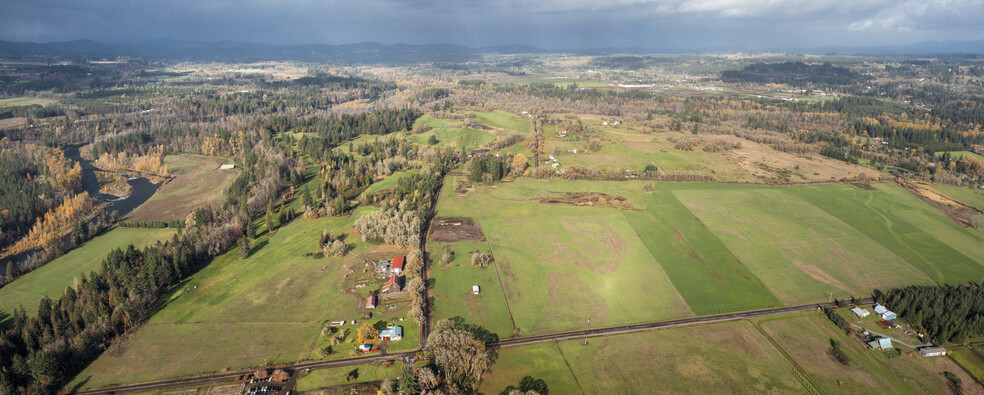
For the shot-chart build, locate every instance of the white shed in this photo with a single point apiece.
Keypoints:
(861, 313)
(475, 289)
(932, 351)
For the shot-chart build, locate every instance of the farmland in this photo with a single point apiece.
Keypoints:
(197, 181)
(580, 286)
(451, 133)
(970, 360)
(806, 339)
(262, 308)
(51, 279)
(780, 354)
(732, 356)
(25, 101)
(968, 196)
(337, 376)
(687, 249)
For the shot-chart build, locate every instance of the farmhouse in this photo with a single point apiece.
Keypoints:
(884, 312)
(371, 302)
(392, 286)
(932, 351)
(881, 343)
(859, 312)
(392, 334)
(397, 266)
(475, 153)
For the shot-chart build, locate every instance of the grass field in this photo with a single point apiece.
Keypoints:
(799, 251)
(197, 182)
(389, 181)
(25, 101)
(692, 248)
(267, 308)
(51, 279)
(336, 376)
(570, 267)
(968, 196)
(778, 354)
(503, 120)
(451, 133)
(880, 214)
(543, 361)
(730, 357)
(708, 275)
(970, 361)
(806, 339)
(452, 285)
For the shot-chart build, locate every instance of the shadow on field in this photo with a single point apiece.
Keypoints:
(76, 387)
(258, 246)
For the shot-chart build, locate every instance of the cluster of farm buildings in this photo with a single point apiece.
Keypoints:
(879, 342)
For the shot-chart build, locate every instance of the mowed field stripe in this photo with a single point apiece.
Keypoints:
(703, 270)
(801, 252)
(870, 212)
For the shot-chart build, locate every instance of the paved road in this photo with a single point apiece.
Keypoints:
(514, 342)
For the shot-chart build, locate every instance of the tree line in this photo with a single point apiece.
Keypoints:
(947, 313)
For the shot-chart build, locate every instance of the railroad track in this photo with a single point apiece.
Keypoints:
(506, 343)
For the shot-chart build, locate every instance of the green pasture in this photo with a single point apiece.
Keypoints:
(799, 251)
(805, 337)
(249, 304)
(880, 214)
(51, 279)
(452, 286)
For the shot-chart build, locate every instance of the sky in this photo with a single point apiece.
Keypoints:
(550, 24)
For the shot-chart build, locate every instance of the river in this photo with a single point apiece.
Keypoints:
(143, 189)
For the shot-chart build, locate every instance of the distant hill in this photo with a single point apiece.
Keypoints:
(373, 52)
(792, 73)
(366, 52)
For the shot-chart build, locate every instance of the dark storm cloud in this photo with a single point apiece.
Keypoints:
(662, 24)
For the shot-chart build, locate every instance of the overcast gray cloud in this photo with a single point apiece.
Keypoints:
(558, 24)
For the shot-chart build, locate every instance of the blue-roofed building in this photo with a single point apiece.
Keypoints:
(884, 312)
(881, 343)
(393, 333)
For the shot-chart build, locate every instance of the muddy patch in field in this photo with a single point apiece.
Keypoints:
(594, 199)
(454, 229)
(954, 210)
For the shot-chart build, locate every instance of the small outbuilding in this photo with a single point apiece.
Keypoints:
(881, 343)
(859, 312)
(932, 351)
(371, 302)
(476, 289)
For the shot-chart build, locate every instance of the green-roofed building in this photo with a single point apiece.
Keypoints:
(881, 343)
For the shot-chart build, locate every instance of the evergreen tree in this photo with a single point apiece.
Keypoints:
(407, 384)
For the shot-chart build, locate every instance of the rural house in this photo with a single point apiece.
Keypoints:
(397, 266)
(932, 351)
(393, 333)
(881, 343)
(392, 286)
(475, 289)
(371, 302)
(859, 312)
